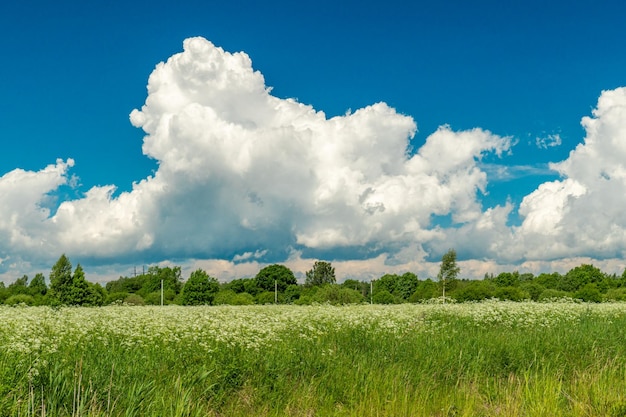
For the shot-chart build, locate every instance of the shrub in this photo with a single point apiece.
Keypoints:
(134, 300)
(20, 299)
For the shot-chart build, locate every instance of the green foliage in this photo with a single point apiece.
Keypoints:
(578, 277)
(134, 300)
(73, 289)
(589, 293)
(170, 276)
(126, 284)
(507, 279)
(199, 289)
(425, 290)
(38, 285)
(474, 291)
(337, 295)
(383, 297)
(406, 285)
(386, 283)
(321, 273)
(280, 274)
(116, 297)
(61, 279)
(448, 271)
(550, 281)
(533, 289)
(20, 286)
(268, 297)
(616, 294)
(511, 293)
(20, 299)
(550, 294)
(230, 297)
(292, 293)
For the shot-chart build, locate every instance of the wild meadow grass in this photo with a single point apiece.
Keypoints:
(483, 359)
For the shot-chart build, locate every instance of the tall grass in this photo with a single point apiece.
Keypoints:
(508, 359)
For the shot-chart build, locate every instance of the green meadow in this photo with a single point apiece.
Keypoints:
(472, 359)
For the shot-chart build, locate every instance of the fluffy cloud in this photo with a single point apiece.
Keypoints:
(582, 214)
(242, 169)
(245, 177)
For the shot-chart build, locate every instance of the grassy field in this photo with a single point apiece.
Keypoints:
(484, 359)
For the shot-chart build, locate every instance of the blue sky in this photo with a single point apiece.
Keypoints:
(73, 71)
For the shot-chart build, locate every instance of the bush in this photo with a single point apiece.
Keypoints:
(20, 299)
(116, 297)
(551, 294)
(229, 297)
(589, 293)
(383, 297)
(616, 294)
(134, 300)
(511, 293)
(337, 295)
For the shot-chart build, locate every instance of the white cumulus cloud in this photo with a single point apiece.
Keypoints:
(245, 176)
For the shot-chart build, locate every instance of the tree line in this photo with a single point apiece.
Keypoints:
(277, 284)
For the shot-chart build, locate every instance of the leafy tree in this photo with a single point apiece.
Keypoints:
(20, 298)
(582, 275)
(383, 297)
(199, 289)
(38, 285)
(20, 286)
(321, 273)
(589, 293)
(96, 294)
(475, 291)
(511, 293)
(406, 285)
(229, 297)
(61, 279)
(550, 281)
(387, 283)
(134, 300)
(337, 295)
(79, 290)
(448, 271)
(507, 279)
(425, 290)
(171, 278)
(280, 274)
(292, 293)
(4, 292)
(533, 289)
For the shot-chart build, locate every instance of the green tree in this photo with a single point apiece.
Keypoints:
(199, 289)
(78, 291)
(582, 275)
(337, 295)
(20, 286)
(279, 274)
(425, 290)
(170, 276)
(321, 273)
(61, 279)
(507, 279)
(448, 271)
(406, 285)
(589, 293)
(38, 285)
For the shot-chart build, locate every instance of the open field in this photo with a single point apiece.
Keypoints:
(490, 359)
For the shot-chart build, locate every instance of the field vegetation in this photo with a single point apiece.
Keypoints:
(491, 358)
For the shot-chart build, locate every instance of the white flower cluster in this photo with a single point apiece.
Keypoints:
(30, 336)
